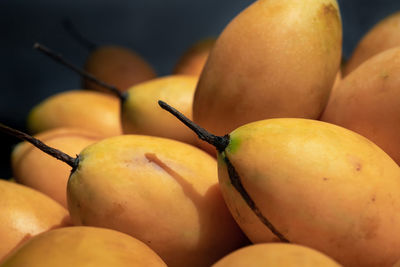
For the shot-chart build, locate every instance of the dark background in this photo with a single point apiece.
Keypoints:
(159, 30)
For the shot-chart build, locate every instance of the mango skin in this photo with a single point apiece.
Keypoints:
(384, 35)
(141, 113)
(35, 169)
(193, 60)
(277, 58)
(320, 185)
(368, 102)
(84, 246)
(24, 213)
(163, 192)
(276, 255)
(93, 111)
(118, 66)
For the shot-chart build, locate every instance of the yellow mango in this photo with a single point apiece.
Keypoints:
(84, 247)
(141, 114)
(384, 35)
(368, 102)
(276, 255)
(320, 185)
(163, 192)
(93, 111)
(44, 173)
(277, 58)
(24, 213)
(117, 65)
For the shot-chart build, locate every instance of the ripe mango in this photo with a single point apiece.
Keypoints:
(277, 58)
(319, 185)
(93, 111)
(84, 247)
(276, 255)
(161, 191)
(367, 101)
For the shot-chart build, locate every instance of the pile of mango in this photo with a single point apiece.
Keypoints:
(262, 148)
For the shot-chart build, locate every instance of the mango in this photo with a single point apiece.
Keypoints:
(93, 111)
(277, 58)
(163, 192)
(368, 102)
(319, 185)
(84, 246)
(276, 255)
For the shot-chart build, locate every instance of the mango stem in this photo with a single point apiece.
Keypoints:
(73, 162)
(58, 58)
(219, 142)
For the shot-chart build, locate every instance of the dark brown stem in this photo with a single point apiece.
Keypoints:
(73, 162)
(73, 31)
(58, 58)
(220, 142)
(237, 183)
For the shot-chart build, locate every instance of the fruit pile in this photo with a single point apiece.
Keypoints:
(297, 163)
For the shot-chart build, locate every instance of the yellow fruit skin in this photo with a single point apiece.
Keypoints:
(368, 102)
(84, 247)
(141, 113)
(24, 213)
(35, 169)
(117, 66)
(93, 111)
(193, 60)
(278, 58)
(163, 192)
(276, 255)
(383, 36)
(320, 185)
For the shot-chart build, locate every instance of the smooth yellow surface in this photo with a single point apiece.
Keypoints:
(44, 173)
(93, 111)
(84, 247)
(278, 58)
(141, 113)
(382, 36)
(193, 60)
(163, 192)
(117, 66)
(25, 212)
(368, 102)
(320, 185)
(276, 255)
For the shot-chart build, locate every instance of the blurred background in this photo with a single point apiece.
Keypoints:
(159, 30)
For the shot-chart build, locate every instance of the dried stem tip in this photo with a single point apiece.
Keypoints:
(220, 142)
